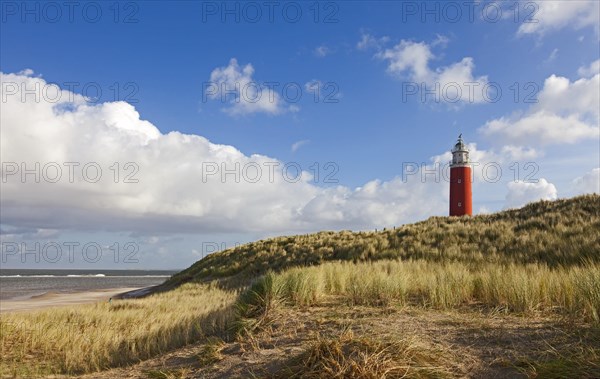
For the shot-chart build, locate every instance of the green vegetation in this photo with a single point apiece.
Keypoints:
(541, 262)
(525, 289)
(555, 233)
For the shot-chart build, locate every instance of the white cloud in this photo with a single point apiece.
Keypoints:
(313, 85)
(452, 83)
(377, 203)
(541, 128)
(566, 112)
(172, 195)
(409, 56)
(565, 97)
(520, 153)
(591, 70)
(440, 40)
(322, 51)
(521, 193)
(367, 41)
(299, 144)
(26, 72)
(588, 183)
(546, 16)
(234, 85)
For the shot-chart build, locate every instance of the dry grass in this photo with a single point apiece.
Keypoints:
(167, 374)
(95, 337)
(347, 356)
(579, 364)
(543, 259)
(210, 351)
(531, 288)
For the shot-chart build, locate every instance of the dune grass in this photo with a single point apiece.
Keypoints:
(541, 259)
(90, 338)
(555, 233)
(534, 291)
(572, 291)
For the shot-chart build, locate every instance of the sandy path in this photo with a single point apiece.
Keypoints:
(55, 299)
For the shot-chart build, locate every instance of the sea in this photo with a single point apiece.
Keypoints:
(22, 284)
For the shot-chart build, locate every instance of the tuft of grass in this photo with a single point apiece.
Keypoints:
(588, 283)
(210, 352)
(346, 356)
(255, 306)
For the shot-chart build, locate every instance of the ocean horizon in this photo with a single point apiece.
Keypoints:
(23, 284)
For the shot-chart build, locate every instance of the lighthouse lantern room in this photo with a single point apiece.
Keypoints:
(460, 180)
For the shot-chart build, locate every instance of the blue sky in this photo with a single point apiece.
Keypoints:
(368, 52)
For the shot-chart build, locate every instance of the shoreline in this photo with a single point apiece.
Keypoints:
(58, 299)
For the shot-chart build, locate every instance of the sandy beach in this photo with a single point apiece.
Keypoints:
(56, 299)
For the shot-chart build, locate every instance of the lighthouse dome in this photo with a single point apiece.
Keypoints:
(460, 145)
(460, 153)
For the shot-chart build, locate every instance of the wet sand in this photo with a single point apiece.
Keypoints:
(56, 299)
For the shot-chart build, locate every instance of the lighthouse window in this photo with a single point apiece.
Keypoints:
(459, 181)
(460, 204)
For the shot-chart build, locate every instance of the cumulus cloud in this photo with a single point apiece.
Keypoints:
(548, 16)
(181, 183)
(453, 83)
(566, 112)
(171, 193)
(26, 72)
(384, 202)
(186, 184)
(591, 70)
(521, 193)
(520, 153)
(234, 85)
(542, 127)
(588, 183)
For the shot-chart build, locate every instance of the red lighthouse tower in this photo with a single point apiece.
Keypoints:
(460, 181)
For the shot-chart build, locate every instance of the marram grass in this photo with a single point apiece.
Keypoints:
(541, 259)
(90, 338)
(556, 233)
(572, 291)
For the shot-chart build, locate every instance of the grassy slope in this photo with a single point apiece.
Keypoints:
(562, 232)
(513, 294)
(92, 337)
(541, 262)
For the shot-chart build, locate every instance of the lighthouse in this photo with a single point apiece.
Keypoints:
(460, 180)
